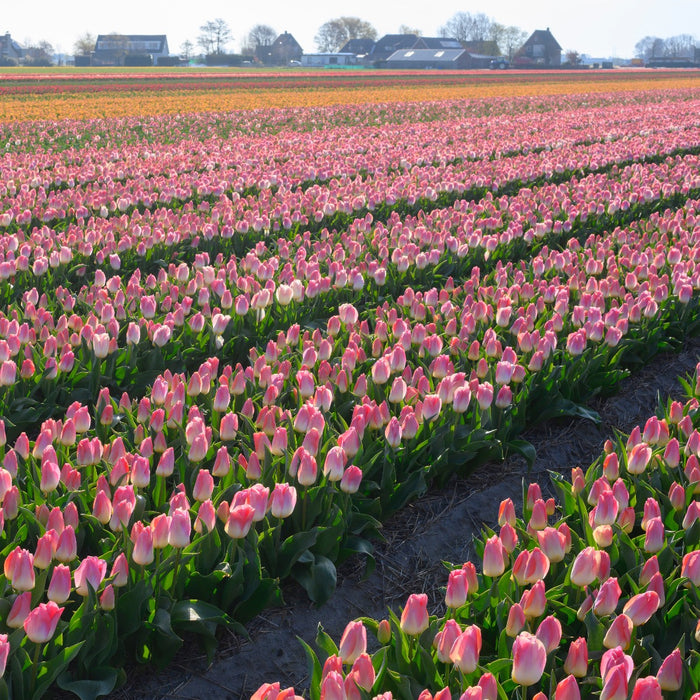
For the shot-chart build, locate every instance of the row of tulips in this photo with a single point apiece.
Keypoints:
(267, 199)
(596, 596)
(226, 454)
(64, 357)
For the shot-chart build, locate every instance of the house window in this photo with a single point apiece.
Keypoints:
(538, 50)
(333, 60)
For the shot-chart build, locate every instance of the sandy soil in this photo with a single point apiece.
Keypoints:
(440, 527)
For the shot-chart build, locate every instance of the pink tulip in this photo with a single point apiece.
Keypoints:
(584, 568)
(576, 663)
(534, 600)
(142, 553)
(120, 571)
(353, 642)
(239, 521)
(567, 689)
(465, 650)
(647, 689)
(40, 624)
(445, 638)
(641, 607)
(60, 585)
(549, 633)
(457, 589)
(414, 617)
(19, 610)
(619, 633)
(494, 557)
(615, 684)
(180, 529)
(4, 653)
(516, 620)
(90, 572)
(608, 597)
(352, 478)
(670, 675)
(529, 659)
(690, 567)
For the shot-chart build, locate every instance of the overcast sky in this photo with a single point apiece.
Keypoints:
(598, 28)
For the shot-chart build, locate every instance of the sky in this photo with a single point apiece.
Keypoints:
(597, 28)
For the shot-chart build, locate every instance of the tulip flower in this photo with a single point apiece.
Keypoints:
(239, 521)
(414, 617)
(567, 689)
(91, 571)
(549, 633)
(445, 638)
(576, 663)
(670, 675)
(353, 642)
(640, 608)
(615, 684)
(516, 620)
(619, 633)
(457, 589)
(19, 610)
(608, 596)
(465, 650)
(40, 624)
(584, 568)
(494, 557)
(647, 689)
(4, 653)
(529, 659)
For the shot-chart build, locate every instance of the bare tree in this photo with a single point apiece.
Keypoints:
(405, 29)
(187, 49)
(337, 32)
(215, 34)
(511, 39)
(573, 58)
(84, 44)
(38, 54)
(649, 47)
(680, 46)
(465, 26)
(259, 35)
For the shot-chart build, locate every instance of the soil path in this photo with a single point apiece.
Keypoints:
(440, 527)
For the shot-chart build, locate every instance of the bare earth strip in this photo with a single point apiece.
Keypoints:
(438, 528)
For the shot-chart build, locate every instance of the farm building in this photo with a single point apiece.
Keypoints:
(129, 49)
(389, 44)
(358, 47)
(280, 52)
(432, 59)
(10, 51)
(541, 50)
(323, 60)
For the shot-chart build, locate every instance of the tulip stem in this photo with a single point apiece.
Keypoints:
(35, 667)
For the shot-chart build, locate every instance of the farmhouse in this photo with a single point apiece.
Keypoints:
(358, 47)
(129, 50)
(284, 49)
(541, 50)
(10, 51)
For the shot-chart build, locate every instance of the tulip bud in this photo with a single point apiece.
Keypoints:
(529, 659)
(414, 617)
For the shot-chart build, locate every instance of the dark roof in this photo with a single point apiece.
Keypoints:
(359, 47)
(436, 42)
(422, 55)
(137, 43)
(390, 43)
(543, 36)
(287, 41)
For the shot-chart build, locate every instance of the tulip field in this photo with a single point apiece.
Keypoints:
(235, 337)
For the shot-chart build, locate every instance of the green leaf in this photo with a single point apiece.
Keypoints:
(104, 680)
(318, 579)
(325, 642)
(50, 670)
(524, 449)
